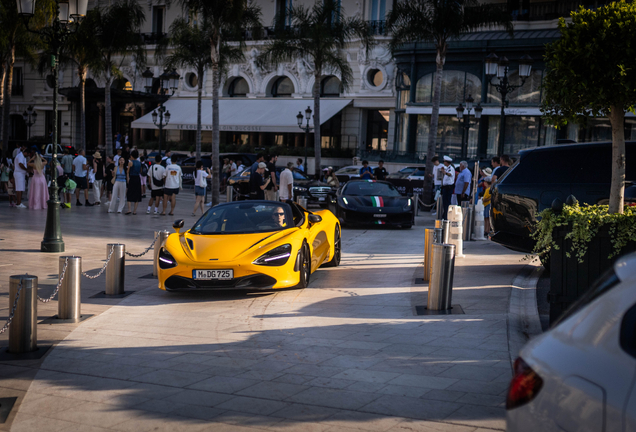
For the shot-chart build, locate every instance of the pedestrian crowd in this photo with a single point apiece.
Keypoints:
(454, 184)
(122, 180)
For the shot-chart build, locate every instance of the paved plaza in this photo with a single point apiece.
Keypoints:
(348, 353)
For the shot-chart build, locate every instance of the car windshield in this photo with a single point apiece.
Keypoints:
(245, 218)
(362, 188)
(418, 173)
(353, 170)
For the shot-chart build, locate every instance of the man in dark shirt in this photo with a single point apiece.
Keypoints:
(501, 169)
(270, 173)
(380, 172)
(257, 185)
(259, 159)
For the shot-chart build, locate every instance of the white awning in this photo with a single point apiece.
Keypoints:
(243, 115)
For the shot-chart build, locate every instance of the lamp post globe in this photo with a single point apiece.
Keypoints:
(300, 117)
(148, 76)
(460, 111)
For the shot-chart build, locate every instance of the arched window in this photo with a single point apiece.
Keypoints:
(283, 87)
(456, 86)
(330, 87)
(238, 88)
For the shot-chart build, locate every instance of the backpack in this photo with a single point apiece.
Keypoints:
(155, 182)
(144, 169)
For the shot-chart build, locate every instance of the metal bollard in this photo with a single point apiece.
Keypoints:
(429, 238)
(115, 269)
(440, 286)
(438, 223)
(467, 215)
(439, 205)
(416, 200)
(302, 201)
(438, 235)
(446, 231)
(161, 241)
(23, 333)
(229, 194)
(69, 298)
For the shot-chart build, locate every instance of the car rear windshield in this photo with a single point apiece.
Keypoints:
(362, 188)
(245, 218)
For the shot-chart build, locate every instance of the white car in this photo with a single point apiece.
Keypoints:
(581, 375)
(349, 172)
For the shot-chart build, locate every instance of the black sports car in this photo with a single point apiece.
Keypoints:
(373, 202)
(315, 191)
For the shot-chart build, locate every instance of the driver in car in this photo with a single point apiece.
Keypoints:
(278, 216)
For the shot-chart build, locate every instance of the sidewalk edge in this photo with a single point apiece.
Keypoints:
(523, 317)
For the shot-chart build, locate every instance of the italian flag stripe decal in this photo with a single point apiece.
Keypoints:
(379, 222)
(377, 201)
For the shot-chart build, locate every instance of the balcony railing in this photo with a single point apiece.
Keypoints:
(549, 10)
(377, 28)
(17, 90)
(153, 38)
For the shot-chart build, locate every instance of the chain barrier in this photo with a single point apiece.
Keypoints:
(422, 204)
(15, 306)
(112, 249)
(59, 284)
(146, 251)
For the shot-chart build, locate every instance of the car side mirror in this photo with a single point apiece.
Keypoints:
(178, 225)
(314, 218)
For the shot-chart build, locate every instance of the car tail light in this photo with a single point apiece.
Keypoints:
(525, 385)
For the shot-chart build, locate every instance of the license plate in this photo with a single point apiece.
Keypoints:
(379, 215)
(321, 198)
(213, 274)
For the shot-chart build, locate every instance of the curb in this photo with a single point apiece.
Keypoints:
(523, 317)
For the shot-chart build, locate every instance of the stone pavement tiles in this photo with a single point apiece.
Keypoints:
(348, 353)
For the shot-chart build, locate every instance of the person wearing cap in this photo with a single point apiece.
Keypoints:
(448, 183)
(486, 202)
(98, 169)
(462, 185)
(331, 179)
(257, 185)
(287, 183)
(380, 172)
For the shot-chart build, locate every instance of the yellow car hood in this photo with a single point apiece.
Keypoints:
(229, 247)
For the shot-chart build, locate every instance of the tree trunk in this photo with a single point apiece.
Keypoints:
(617, 188)
(199, 96)
(7, 101)
(108, 115)
(432, 133)
(2, 77)
(216, 134)
(81, 71)
(317, 143)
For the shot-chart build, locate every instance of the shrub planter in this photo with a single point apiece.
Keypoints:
(570, 277)
(580, 243)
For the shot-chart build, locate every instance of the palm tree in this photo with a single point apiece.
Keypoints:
(117, 33)
(224, 21)
(438, 21)
(15, 40)
(318, 35)
(190, 45)
(82, 52)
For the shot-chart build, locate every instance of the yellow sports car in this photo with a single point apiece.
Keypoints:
(249, 245)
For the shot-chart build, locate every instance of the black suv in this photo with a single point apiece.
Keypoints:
(545, 173)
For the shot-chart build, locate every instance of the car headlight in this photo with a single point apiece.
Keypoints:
(300, 189)
(275, 257)
(346, 204)
(408, 205)
(166, 261)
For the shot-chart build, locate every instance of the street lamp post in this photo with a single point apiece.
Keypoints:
(306, 128)
(168, 81)
(499, 67)
(467, 123)
(29, 116)
(69, 14)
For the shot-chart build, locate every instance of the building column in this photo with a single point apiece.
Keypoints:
(411, 130)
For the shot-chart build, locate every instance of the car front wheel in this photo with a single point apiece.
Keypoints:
(305, 267)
